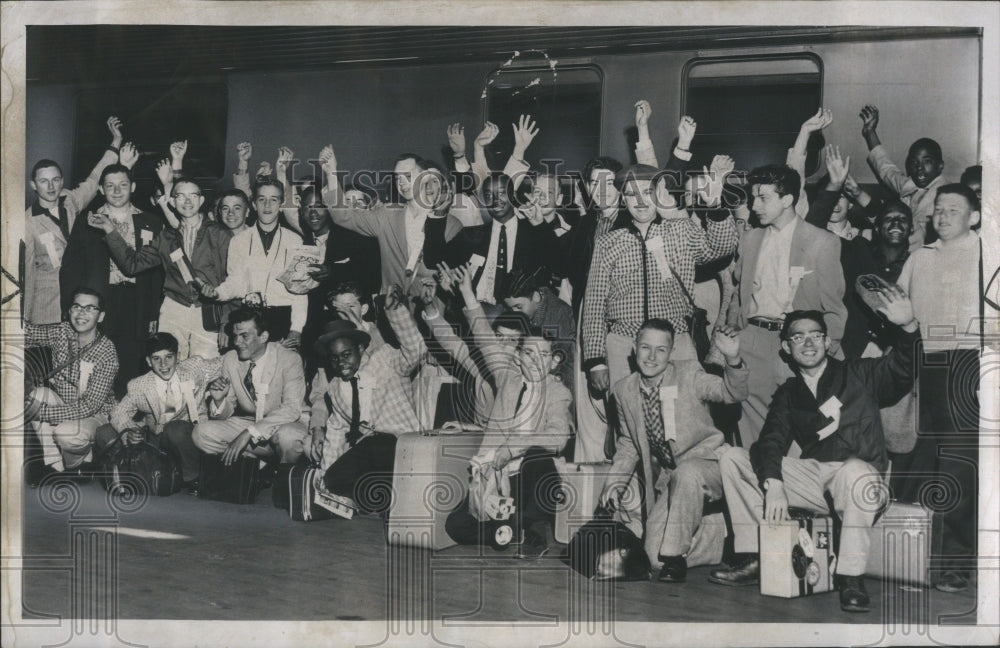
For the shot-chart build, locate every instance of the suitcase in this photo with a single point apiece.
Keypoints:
(903, 540)
(581, 484)
(430, 480)
(797, 556)
(302, 494)
(238, 483)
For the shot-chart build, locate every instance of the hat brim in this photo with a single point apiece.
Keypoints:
(323, 342)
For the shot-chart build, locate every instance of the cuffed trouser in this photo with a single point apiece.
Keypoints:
(857, 489)
(364, 473)
(175, 440)
(185, 324)
(760, 349)
(214, 436)
(680, 503)
(535, 491)
(123, 324)
(68, 444)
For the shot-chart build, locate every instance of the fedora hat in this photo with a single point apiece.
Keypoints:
(339, 329)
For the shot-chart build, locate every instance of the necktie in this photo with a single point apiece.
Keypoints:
(171, 404)
(652, 415)
(248, 382)
(501, 274)
(354, 434)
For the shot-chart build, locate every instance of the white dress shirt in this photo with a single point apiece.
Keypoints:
(487, 281)
(772, 294)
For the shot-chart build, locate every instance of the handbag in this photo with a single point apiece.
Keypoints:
(238, 483)
(489, 492)
(605, 549)
(144, 461)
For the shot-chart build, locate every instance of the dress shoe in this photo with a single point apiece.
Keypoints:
(952, 581)
(853, 597)
(674, 569)
(36, 472)
(191, 487)
(744, 572)
(538, 539)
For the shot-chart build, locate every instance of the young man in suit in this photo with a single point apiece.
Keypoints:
(257, 401)
(131, 301)
(668, 437)
(67, 413)
(48, 223)
(366, 404)
(830, 408)
(195, 252)
(171, 398)
(784, 265)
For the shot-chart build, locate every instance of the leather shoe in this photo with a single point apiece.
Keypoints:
(674, 569)
(853, 597)
(952, 581)
(746, 572)
(191, 487)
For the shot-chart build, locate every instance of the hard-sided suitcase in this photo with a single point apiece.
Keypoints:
(797, 556)
(302, 480)
(430, 479)
(903, 539)
(238, 483)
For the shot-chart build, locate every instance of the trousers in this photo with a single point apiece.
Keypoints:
(214, 436)
(68, 444)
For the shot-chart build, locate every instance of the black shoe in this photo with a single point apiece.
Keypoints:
(745, 572)
(191, 487)
(536, 542)
(674, 569)
(952, 581)
(84, 471)
(853, 597)
(36, 473)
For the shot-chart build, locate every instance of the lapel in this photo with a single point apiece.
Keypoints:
(752, 242)
(800, 245)
(153, 397)
(634, 418)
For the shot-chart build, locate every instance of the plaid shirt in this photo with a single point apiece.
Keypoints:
(385, 391)
(101, 356)
(626, 287)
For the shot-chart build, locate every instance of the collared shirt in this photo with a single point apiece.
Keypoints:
(772, 295)
(320, 240)
(652, 413)
(267, 238)
(487, 281)
(257, 375)
(189, 233)
(170, 394)
(126, 227)
(812, 382)
(843, 229)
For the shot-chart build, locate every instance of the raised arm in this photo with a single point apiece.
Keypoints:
(838, 167)
(480, 167)
(357, 219)
(177, 152)
(796, 158)
(241, 179)
(878, 157)
(456, 141)
(733, 386)
(166, 177)
(282, 171)
(81, 195)
(130, 261)
(413, 349)
(869, 126)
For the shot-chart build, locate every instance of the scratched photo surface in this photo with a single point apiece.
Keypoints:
(524, 324)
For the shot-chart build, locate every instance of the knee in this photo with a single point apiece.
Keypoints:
(175, 430)
(71, 434)
(732, 459)
(686, 477)
(200, 435)
(288, 442)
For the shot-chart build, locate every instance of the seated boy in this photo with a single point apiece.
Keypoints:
(66, 414)
(171, 396)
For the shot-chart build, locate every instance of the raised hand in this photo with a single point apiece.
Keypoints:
(898, 309)
(292, 340)
(722, 165)
(285, 156)
(487, 135)
(686, 129)
(100, 221)
(837, 166)
(164, 172)
(115, 126)
(643, 111)
(244, 150)
(328, 160)
(524, 132)
(869, 118)
(851, 187)
(446, 277)
(178, 150)
(128, 156)
(395, 298)
(727, 341)
(456, 139)
(819, 121)
(532, 213)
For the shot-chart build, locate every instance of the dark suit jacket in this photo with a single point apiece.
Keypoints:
(862, 386)
(87, 262)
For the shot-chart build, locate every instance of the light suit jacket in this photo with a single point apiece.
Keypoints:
(144, 395)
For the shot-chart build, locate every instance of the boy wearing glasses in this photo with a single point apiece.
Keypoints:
(67, 413)
(193, 253)
(830, 408)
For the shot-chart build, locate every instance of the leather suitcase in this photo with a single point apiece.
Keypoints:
(302, 494)
(903, 540)
(238, 483)
(797, 556)
(582, 484)
(430, 479)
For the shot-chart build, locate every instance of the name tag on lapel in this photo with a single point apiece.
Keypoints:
(177, 256)
(48, 241)
(830, 409)
(477, 260)
(86, 370)
(261, 398)
(187, 390)
(668, 397)
(145, 236)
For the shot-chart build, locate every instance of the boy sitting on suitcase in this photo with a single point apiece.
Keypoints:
(668, 435)
(830, 408)
(171, 398)
(365, 406)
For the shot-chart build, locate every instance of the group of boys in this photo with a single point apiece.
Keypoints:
(245, 362)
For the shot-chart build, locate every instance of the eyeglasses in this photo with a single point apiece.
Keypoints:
(798, 339)
(90, 309)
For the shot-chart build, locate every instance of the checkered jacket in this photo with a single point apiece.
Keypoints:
(97, 398)
(626, 287)
(144, 395)
(384, 388)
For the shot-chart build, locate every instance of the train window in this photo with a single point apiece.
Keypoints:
(752, 108)
(565, 101)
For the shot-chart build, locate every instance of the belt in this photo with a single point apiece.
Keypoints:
(766, 323)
